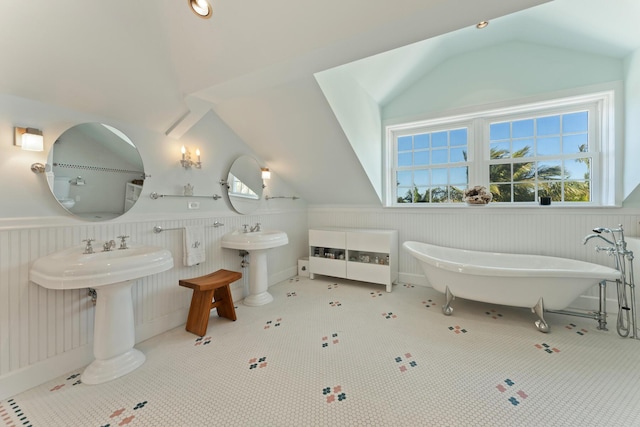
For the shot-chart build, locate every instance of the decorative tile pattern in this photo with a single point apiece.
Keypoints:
(547, 348)
(580, 331)
(375, 294)
(387, 383)
(429, 303)
(493, 314)
(291, 294)
(405, 362)
(275, 323)
(334, 394)
(457, 330)
(202, 341)
(513, 399)
(326, 340)
(258, 362)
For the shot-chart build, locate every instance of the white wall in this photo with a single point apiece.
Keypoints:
(632, 129)
(510, 71)
(46, 333)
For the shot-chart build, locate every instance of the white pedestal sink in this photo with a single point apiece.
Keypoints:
(111, 274)
(256, 243)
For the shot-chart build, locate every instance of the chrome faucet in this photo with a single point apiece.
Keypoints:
(592, 236)
(123, 242)
(246, 228)
(88, 249)
(109, 245)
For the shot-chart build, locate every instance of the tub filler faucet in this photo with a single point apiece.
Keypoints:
(627, 323)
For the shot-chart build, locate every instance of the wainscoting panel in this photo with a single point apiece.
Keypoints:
(37, 324)
(554, 232)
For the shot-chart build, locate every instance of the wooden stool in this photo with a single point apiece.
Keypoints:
(209, 292)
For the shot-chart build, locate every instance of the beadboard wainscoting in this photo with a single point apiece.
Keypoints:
(46, 333)
(537, 230)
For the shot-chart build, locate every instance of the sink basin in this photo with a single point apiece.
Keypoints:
(256, 240)
(112, 274)
(71, 269)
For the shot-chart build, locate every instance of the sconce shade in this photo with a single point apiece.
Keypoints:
(29, 139)
(202, 8)
(266, 173)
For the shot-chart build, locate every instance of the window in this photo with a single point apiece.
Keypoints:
(538, 156)
(559, 149)
(432, 166)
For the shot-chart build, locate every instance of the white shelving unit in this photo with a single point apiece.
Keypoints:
(368, 255)
(131, 195)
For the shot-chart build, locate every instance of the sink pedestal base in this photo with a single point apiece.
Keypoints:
(258, 279)
(113, 335)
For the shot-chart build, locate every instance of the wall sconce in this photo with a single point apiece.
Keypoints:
(186, 161)
(266, 174)
(29, 139)
(202, 8)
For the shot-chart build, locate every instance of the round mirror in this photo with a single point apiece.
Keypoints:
(95, 172)
(244, 185)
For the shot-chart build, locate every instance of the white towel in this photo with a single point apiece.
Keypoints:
(193, 245)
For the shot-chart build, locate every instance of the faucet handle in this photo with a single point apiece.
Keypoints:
(246, 228)
(88, 249)
(123, 241)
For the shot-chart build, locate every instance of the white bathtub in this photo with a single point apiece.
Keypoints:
(508, 279)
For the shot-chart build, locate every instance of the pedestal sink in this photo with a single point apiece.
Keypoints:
(256, 243)
(111, 274)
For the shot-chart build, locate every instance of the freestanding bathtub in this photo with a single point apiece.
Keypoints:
(533, 281)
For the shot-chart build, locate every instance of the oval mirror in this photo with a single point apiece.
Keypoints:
(244, 185)
(95, 172)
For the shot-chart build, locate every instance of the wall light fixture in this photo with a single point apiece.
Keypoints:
(266, 173)
(186, 161)
(202, 8)
(29, 139)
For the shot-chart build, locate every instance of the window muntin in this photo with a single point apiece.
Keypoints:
(431, 165)
(531, 151)
(543, 155)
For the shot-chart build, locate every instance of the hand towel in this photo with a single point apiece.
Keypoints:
(193, 245)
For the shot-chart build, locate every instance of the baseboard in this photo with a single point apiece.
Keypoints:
(33, 375)
(283, 275)
(161, 324)
(591, 303)
(413, 279)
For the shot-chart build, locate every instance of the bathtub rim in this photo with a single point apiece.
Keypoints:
(588, 271)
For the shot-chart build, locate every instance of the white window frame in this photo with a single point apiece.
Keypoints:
(602, 145)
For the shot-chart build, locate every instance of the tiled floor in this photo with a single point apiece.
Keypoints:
(349, 354)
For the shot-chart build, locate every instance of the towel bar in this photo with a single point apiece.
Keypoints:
(157, 229)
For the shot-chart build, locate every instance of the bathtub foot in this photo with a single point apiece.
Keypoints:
(447, 310)
(538, 309)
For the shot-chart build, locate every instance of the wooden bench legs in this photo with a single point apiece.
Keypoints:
(209, 292)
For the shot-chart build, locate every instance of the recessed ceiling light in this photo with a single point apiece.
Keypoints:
(202, 8)
(482, 24)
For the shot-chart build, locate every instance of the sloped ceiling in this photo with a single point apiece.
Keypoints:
(149, 62)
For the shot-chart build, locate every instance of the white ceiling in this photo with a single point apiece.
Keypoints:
(149, 62)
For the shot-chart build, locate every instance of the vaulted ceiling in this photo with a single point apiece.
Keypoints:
(153, 62)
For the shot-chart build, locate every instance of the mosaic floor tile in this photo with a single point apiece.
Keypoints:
(361, 361)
